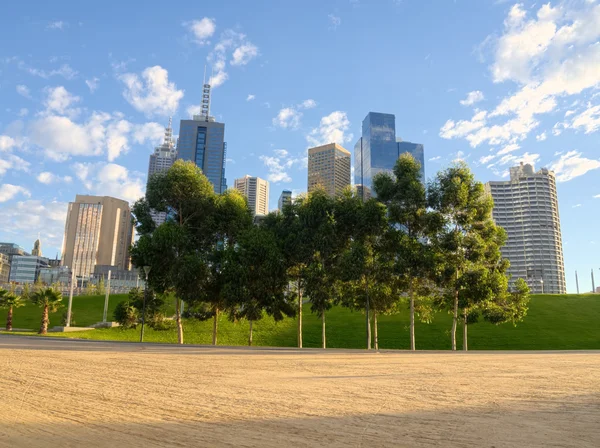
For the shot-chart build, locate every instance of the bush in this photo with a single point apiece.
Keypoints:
(159, 322)
(126, 314)
(64, 319)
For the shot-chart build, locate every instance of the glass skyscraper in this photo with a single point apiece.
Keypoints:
(378, 149)
(201, 140)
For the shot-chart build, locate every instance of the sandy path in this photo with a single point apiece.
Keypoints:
(65, 394)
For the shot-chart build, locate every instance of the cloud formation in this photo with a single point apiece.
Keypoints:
(333, 128)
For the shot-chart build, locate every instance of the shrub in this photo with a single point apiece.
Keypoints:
(126, 314)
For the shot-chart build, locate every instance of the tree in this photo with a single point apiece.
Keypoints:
(404, 194)
(50, 302)
(469, 243)
(9, 301)
(511, 307)
(255, 279)
(364, 268)
(178, 250)
(26, 291)
(101, 288)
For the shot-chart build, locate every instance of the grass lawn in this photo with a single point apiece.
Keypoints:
(553, 323)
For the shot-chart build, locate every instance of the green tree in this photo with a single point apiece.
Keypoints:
(468, 242)
(256, 281)
(50, 301)
(101, 287)
(26, 291)
(404, 194)
(9, 301)
(510, 307)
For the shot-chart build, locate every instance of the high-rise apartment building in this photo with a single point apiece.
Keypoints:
(98, 231)
(285, 198)
(161, 160)
(202, 141)
(379, 148)
(329, 168)
(256, 191)
(526, 207)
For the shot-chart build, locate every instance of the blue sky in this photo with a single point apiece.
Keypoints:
(86, 89)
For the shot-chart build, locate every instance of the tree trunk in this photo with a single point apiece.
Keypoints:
(465, 330)
(250, 336)
(9, 316)
(375, 329)
(454, 320)
(412, 318)
(368, 317)
(44, 326)
(215, 326)
(299, 315)
(178, 320)
(323, 331)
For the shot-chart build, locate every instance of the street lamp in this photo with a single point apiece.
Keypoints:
(147, 271)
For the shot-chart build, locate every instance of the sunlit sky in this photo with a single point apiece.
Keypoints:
(86, 89)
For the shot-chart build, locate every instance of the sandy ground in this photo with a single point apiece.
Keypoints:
(67, 393)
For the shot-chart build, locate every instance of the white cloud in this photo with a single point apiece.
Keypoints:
(202, 29)
(250, 97)
(13, 162)
(148, 132)
(572, 165)
(92, 84)
(46, 177)
(433, 159)
(23, 112)
(279, 165)
(154, 94)
(335, 21)
(29, 218)
(6, 142)
(589, 120)
(597, 196)
(8, 191)
(333, 128)
(541, 137)
(472, 98)
(288, 118)
(486, 159)
(110, 179)
(308, 104)
(232, 43)
(508, 148)
(23, 91)
(577, 205)
(59, 101)
(57, 25)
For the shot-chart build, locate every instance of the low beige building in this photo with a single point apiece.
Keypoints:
(329, 168)
(98, 231)
(4, 268)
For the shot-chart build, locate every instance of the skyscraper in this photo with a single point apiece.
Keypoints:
(285, 198)
(329, 168)
(201, 140)
(161, 160)
(526, 207)
(256, 190)
(378, 149)
(98, 231)
(37, 248)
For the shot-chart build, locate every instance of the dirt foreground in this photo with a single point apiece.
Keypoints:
(73, 394)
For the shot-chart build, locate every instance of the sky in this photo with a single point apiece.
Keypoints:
(86, 89)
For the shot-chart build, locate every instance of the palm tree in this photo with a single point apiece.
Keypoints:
(10, 301)
(50, 300)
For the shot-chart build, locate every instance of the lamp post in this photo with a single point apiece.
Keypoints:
(147, 271)
(70, 299)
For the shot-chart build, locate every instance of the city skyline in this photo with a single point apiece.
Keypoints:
(87, 104)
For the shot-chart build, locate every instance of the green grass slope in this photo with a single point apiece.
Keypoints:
(553, 323)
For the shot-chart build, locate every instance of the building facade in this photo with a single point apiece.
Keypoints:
(98, 230)
(202, 141)
(285, 198)
(4, 268)
(37, 248)
(26, 268)
(526, 207)
(161, 160)
(378, 149)
(329, 167)
(256, 191)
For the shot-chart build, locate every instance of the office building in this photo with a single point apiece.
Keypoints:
(10, 250)
(161, 160)
(4, 268)
(285, 198)
(55, 274)
(378, 150)
(26, 268)
(526, 207)
(256, 191)
(202, 141)
(37, 248)
(329, 168)
(98, 231)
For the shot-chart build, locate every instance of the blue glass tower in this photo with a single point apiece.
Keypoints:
(378, 149)
(202, 141)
